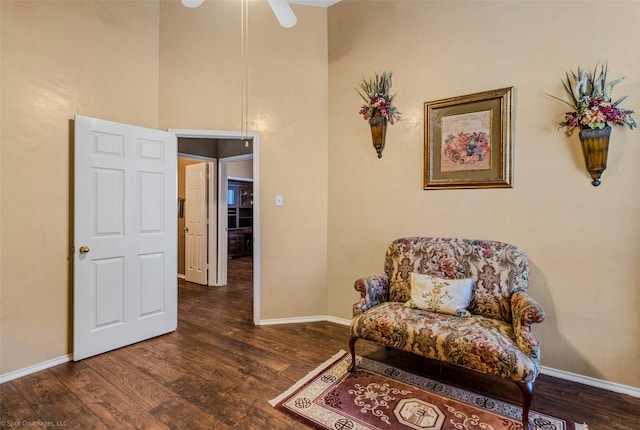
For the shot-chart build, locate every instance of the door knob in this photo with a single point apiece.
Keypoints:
(186, 229)
(84, 249)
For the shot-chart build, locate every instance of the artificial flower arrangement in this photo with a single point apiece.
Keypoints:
(375, 93)
(590, 98)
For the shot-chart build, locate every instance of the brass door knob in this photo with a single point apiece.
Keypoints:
(84, 249)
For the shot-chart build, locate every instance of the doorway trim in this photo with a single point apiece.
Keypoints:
(255, 137)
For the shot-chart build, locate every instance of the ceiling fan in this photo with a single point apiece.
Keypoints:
(281, 8)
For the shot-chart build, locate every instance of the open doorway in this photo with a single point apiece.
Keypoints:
(236, 180)
(230, 159)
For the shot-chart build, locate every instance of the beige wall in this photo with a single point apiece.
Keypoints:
(240, 169)
(200, 87)
(161, 65)
(155, 64)
(583, 242)
(59, 59)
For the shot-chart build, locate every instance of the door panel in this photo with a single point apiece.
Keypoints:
(125, 285)
(196, 223)
(151, 198)
(109, 185)
(152, 284)
(108, 290)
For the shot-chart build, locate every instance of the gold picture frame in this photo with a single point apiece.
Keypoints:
(468, 141)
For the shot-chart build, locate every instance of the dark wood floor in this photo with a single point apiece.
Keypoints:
(218, 371)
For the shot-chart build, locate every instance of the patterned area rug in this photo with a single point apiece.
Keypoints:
(377, 396)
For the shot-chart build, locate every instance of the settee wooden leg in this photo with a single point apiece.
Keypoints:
(352, 348)
(527, 397)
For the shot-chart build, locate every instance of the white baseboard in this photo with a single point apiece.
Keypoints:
(340, 321)
(561, 374)
(593, 382)
(35, 368)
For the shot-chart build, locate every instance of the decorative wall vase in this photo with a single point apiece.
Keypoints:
(595, 147)
(378, 132)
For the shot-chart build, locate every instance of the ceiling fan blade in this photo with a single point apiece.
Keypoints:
(283, 12)
(192, 3)
(318, 3)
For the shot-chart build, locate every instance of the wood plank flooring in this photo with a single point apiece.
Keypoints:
(218, 371)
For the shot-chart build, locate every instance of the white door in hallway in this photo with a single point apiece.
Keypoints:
(125, 235)
(195, 235)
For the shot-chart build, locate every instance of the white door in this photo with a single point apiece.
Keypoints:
(125, 235)
(195, 237)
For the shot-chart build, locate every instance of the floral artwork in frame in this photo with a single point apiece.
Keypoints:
(468, 141)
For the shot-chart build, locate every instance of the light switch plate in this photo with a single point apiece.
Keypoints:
(278, 200)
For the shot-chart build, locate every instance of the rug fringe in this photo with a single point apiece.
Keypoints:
(310, 376)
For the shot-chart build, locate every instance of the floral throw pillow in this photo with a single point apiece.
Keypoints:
(446, 296)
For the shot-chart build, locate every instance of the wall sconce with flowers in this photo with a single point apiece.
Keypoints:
(378, 108)
(592, 110)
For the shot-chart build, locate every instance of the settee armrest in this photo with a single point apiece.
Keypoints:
(526, 311)
(373, 290)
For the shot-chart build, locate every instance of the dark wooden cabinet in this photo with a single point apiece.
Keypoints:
(236, 243)
(240, 218)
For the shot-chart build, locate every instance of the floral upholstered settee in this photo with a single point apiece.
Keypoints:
(490, 332)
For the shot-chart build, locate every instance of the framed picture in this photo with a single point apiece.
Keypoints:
(468, 142)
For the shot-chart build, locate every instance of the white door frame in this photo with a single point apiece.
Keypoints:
(222, 233)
